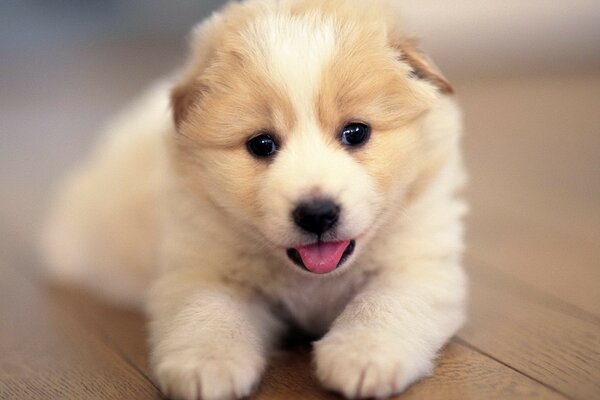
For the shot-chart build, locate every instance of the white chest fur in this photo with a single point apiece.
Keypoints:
(312, 303)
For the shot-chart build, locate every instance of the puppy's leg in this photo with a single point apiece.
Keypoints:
(388, 336)
(209, 341)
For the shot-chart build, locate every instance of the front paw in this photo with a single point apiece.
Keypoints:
(209, 373)
(363, 364)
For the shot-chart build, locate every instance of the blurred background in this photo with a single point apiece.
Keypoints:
(67, 65)
(527, 73)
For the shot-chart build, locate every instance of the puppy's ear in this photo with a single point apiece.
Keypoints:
(422, 66)
(188, 89)
(183, 96)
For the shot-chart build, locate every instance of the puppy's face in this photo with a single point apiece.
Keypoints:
(305, 129)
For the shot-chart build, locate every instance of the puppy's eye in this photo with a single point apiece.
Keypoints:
(262, 146)
(355, 134)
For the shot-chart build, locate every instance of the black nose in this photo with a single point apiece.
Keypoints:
(316, 216)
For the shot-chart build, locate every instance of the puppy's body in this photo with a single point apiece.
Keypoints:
(182, 206)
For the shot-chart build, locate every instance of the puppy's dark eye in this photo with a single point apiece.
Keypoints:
(355, 134)
(262, 146)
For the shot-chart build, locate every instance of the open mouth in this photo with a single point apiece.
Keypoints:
(322, 257)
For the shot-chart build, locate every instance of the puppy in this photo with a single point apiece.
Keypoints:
(301, 169)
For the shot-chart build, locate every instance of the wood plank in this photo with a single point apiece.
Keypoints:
(534, 236)
(45, 353)
(552, 262)
(462, 373)
(124, 329)
(552, 346)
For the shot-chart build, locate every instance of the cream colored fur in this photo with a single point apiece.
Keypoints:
(206, 225)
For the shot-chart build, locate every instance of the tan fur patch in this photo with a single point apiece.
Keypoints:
(367, 84)
(422, 65)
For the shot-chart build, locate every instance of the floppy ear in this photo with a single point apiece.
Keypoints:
(422, 66)
(188, 89)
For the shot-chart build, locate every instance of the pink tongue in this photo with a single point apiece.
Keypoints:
(322, 258)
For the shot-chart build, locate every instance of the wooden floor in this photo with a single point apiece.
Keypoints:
(533, 150)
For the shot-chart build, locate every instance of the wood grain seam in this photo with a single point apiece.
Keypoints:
(465, 343)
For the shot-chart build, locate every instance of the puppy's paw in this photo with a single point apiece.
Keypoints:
(364, 365)
(209, 374)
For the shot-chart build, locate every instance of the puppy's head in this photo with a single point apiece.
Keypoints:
(302, 120)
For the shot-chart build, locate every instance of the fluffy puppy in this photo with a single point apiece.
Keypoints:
(305, 173)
